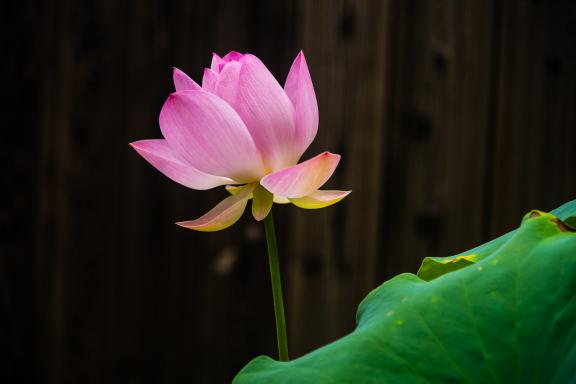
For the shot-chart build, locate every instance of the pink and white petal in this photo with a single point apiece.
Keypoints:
(182, 82)
(158, 153)
(210, 136)
(209, 80)
(300, 91)
(319, 199)
(267, 112)
(216, 63)
(262, 203)
(223, 215)
(227, 85)
(302, 179)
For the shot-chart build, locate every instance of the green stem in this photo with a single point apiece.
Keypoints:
(276, 288)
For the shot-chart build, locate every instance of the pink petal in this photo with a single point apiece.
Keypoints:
(300, 90)
(233, 56)
(262, 203)
(182, 82)
(223, 215)
(162, 157)
(267, 112)
(209, 80)
(216, 63)
(210, 136)
(319, 199)
(302, 179)
(227, 85)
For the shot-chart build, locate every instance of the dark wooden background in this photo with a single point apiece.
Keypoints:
(453, 119)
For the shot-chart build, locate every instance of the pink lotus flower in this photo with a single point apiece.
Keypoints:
(242, 130)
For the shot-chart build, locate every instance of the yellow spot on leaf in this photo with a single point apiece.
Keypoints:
(471, 258)
(390, 313)
(399, 322)
(479, 268)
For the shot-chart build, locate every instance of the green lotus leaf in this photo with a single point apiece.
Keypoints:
(503, 312)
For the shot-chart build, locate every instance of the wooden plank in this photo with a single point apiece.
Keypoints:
(439, 129)
(53, 208)
(335, 249)
(19, 157)
(534, 144)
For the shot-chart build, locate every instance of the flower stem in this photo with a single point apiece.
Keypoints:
(276, 288)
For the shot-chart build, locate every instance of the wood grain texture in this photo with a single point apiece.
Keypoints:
(453, 118)
(333, 272)
(535, 136)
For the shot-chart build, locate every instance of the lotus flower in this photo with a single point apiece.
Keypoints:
(242, 130)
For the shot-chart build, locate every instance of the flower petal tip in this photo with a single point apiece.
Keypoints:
(223, 215)
(138, 146)
(320, 199)
(259, 218)
(199, 227)
(134, 146)
(182, 81)
(299, 57)
(330, 154)
(302, 179)
(300, 90)
(233, 55)
(162, 157)
(261, 203)
(213, 224)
